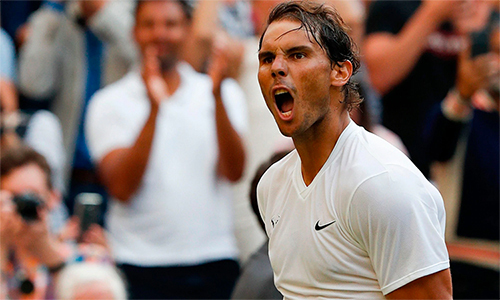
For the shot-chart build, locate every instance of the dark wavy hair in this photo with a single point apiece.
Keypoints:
(329, 31)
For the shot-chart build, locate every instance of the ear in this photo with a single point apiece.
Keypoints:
(341, 73)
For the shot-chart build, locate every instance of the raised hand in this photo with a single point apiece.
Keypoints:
(474, 73)
(151, 74)
(225, 59)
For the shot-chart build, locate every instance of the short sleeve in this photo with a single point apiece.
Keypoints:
(235, 104)
(111, 123)
(398, 218)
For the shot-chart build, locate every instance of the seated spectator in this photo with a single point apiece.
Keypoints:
(30, 252)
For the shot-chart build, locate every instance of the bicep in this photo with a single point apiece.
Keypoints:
(108, 164)
(433, 286)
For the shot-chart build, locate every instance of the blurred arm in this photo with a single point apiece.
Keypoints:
(390, 58)
(231, 150)
(122, 169)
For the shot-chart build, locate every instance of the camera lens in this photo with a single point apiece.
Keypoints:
(27, 206)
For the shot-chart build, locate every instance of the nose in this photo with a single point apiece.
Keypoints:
(279, 67)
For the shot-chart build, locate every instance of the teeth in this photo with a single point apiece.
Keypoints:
(287, 114)
(280, 91)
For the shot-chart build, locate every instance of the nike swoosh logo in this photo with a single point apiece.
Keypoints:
(320, 227)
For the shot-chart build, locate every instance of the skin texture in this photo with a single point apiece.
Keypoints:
(160, 31)
(289, 59)
(33, 238)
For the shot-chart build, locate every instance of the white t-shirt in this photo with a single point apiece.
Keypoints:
(182, 212)
(367, 224)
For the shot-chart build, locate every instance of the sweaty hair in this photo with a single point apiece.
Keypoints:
(20, 156)
(185, 5)
(329, 31)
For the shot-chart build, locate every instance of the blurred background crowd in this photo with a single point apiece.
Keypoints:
(127, 176)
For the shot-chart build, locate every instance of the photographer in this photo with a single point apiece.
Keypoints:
(29, 251)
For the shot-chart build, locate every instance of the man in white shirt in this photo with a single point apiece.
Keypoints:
(167, 144)
(347, 214)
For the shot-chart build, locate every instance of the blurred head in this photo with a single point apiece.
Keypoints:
(23, 170)
(89, 280)
(324, 26)
(164, 25)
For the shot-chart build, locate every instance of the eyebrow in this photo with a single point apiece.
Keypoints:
(301, 48)
(265, 54)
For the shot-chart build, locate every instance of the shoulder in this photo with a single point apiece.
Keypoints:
(282, 167)
(277, 173)
(369, 162)
(364, 155)
(128, 88)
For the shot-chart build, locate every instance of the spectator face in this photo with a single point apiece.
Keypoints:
(29, 178)
(292, 64)
(162, 25)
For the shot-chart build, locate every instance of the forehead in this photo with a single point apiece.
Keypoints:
(286, 33)
(159, 9)
(28, 178)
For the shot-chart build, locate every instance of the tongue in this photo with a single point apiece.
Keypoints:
(287, 105)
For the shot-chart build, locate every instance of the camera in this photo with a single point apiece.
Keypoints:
(27, 206)
(88, 210)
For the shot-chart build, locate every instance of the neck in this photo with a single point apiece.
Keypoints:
(172, 78)
(315, 147)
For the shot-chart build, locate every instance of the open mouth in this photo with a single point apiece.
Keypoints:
(284, 102)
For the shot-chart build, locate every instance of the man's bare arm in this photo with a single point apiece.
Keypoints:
(390, 58)
(434, 286)
(231, 150)
(122, 169)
